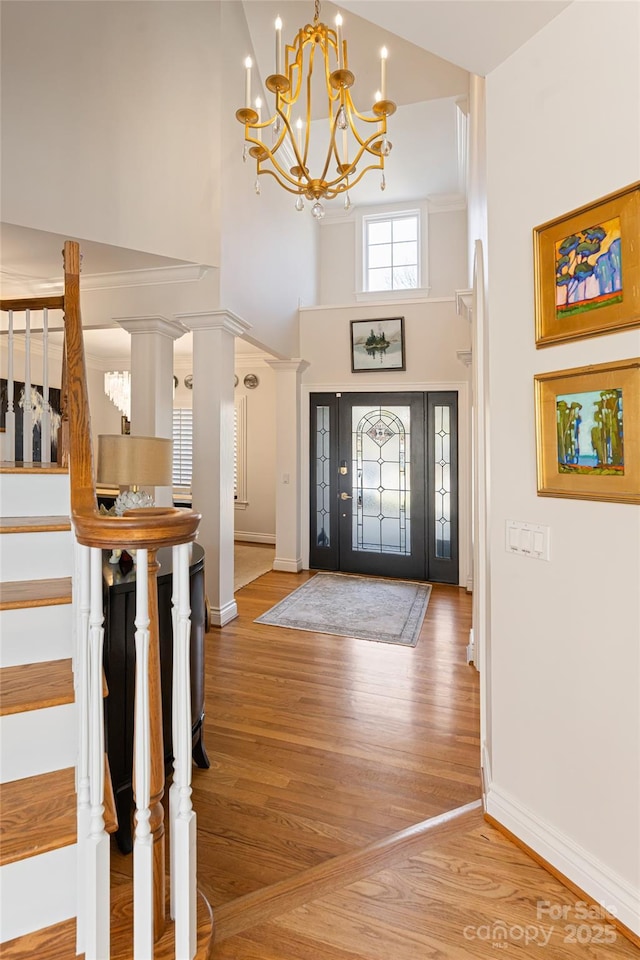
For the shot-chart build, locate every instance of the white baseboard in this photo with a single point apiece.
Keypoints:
(218, 616)
(287, 566)
(469, 585)
(245, 537)
(597, 880)
(471, 649)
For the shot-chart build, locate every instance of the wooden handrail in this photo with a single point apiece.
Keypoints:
(33, 303)
(149, 528)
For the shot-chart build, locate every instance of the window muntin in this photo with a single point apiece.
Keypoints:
(392, 252)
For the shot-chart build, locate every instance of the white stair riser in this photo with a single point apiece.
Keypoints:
(36, 556)
(35, 634)
(38, 892)
(38, 742)
(34, 495)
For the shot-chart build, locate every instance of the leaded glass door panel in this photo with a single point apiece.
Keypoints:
(381, 487)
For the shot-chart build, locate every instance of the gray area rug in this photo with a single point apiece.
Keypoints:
(389, 611)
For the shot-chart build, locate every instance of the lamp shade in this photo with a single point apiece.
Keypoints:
(126, 461)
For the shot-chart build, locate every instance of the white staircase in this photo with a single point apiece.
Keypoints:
(38, 717)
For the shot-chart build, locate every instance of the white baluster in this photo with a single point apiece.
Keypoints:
(82, 602)
(27, 417)
(97, 883)
(10, 419)
(45, 423)
(143, 842)
(183, 879)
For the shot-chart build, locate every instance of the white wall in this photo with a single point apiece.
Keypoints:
(565, 634)
(110, 124)
(268, 248)
(338, 260)
(433, 335)
(258, 520)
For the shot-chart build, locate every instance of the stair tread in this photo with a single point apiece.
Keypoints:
(34, 593)
(38, 815)
(19, 466)
(34, 686)
(57, 942)
(34, 524)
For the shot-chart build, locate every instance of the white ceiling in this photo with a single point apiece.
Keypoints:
(432, 44)
(477, 35)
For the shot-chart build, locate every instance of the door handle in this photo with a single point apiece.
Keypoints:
(345, 496)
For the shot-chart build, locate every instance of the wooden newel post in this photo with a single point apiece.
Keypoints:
(156, 820)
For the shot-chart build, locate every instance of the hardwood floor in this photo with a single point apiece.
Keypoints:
(321, 745)
(468, 893)
(322, 748)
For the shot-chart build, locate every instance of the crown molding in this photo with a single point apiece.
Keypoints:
(183, 273)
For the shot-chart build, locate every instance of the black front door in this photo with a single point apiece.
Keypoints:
(375, 505)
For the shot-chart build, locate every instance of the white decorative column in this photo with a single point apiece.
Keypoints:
(214, 336)
(152, 341)
(288, 555)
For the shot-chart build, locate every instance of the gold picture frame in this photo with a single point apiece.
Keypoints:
(588, 432)
(587, 269)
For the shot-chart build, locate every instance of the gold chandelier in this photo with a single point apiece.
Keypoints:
(351, 150)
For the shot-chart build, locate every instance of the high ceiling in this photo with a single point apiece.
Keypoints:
(432, 45)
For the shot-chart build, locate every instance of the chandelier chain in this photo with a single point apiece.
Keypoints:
(316, 14)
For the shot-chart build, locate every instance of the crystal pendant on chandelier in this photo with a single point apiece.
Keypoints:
(383, 183)
(245, 152)
(256, 187)
(299, 204)
(317, 210)
(347, 201)
(385, 148)
(341, 119)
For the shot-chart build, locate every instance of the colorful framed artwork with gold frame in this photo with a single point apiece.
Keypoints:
(587, 269)
(588, 432)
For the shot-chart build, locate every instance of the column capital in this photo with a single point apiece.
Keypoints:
(294, 365)
(166, 328)
(214, 320)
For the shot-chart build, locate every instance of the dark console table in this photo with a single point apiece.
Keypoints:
(119, 667)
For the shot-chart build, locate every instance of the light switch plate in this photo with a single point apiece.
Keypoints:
(527, 539)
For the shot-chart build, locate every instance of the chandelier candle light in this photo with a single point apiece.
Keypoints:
(291, 84)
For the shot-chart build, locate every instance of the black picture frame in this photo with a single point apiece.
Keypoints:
(377, 345)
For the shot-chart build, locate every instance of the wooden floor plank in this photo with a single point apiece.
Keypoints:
(34, 686)
(467, 893)
(38, 814)
(18, 594)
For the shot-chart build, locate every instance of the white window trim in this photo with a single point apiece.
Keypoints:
(385, 213)
(240, 404)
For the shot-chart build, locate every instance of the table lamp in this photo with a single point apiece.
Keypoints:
(134, 462)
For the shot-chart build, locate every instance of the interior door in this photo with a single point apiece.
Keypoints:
(384, 484)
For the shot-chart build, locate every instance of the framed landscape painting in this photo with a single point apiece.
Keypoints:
(587, 269)
(377, 345)
(588, 432)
